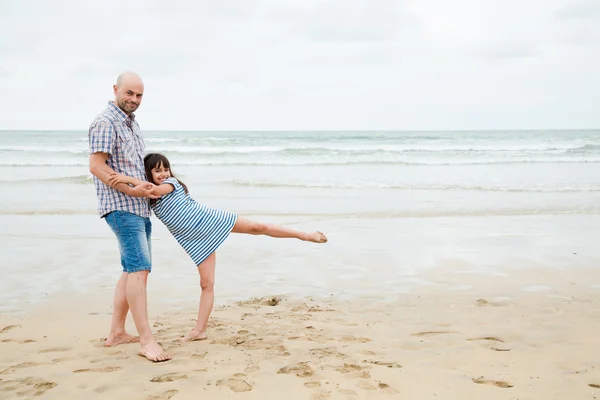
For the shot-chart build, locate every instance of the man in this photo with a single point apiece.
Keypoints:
(116, 144)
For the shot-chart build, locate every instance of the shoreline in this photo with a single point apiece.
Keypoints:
(381, 257)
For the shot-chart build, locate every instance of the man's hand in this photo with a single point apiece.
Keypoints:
(144, 190)
(114, 178)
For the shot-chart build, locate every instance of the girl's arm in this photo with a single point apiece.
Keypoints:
(160, 190)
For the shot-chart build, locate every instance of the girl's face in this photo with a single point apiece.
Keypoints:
(160, 173)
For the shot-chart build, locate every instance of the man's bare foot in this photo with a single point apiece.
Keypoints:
(316, 237)
(120, 338)
(153, 352)
(194, 335)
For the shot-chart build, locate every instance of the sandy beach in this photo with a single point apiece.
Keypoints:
(495, 342)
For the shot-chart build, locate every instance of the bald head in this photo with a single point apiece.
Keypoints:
(129, 90)
(127, 78)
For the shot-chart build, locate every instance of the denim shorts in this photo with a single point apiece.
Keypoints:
(133, 233)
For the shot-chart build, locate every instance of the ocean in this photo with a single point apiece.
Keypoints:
(392, 204)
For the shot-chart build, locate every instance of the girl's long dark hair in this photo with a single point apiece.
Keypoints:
(155, 160)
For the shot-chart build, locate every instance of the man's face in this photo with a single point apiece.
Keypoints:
(129, 95)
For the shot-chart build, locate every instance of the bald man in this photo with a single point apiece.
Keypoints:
(116, 144)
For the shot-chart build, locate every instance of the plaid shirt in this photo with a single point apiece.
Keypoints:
(119, 135)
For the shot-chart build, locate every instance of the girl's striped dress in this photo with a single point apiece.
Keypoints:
(199, 229)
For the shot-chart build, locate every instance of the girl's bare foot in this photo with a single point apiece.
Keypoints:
(316, 237)
(121, 338)
(153, 352)
(194, 335)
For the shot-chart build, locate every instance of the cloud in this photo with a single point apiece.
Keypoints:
(343, 21)
(303, 64)
(580, 9)
(505, 50)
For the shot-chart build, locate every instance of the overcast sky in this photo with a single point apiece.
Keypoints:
(304, 64)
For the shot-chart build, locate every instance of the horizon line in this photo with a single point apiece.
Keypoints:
(319, 130)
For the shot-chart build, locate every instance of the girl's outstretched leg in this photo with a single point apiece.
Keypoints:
(243, 225)
(207, 298)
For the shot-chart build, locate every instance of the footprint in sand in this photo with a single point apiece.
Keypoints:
(169, 377)
(164, 396)
(9, 327)
(384, 363)
(311, 338)
(64, 359)
(319, 309)
(486, 303)
(320, 395)
(251, 368)
(490, 339)
(491, 382)
(327, 352)
(301, 369)
(104, 369)
(430, 333)
(348, 392)
(54, 350)
(352, 339)
(18, 341)
(199, 356)
(366, 385)
(384, 387)
(257, 302)
(353, 371)
(237, 383)
(312, 384)
(26, 341)
(27, 386)
(13, 368)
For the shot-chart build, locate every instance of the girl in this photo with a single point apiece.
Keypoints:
(200, 229)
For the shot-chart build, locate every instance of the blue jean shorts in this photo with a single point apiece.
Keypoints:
(133, 233)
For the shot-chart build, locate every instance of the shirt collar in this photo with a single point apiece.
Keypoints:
(115, 108)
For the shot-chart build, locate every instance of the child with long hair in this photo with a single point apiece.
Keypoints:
(200, 229)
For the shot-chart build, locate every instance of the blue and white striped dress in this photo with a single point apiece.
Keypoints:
(199, 229)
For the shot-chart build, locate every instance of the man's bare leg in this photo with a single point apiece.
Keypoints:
(138, 303)
(117, 333)
(243, 225)
(207, 298)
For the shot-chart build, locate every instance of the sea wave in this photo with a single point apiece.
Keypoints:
(77, 179)
(364, 214)
(87, 179)
(331, 148)
(312, 162)
(417, 187)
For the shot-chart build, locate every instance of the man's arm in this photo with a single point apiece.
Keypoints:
(115, 178)
(102, 171)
